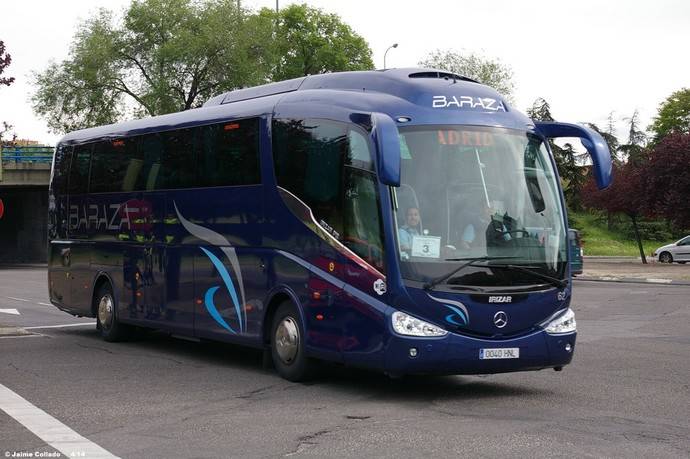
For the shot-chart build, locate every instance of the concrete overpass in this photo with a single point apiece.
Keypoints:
(24, 177)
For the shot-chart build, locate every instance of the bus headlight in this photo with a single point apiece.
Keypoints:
(411, 326)
(565, 323)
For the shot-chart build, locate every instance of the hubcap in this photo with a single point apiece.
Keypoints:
(105, 311)
(287, 340)
(665, 258)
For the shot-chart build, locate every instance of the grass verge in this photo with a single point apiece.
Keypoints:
(597, 239)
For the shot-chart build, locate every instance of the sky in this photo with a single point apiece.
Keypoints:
(587, 58)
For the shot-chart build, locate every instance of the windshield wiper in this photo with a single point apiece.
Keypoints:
(552, 280)
(433, 283)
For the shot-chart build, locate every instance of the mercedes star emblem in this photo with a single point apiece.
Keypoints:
(500, 319)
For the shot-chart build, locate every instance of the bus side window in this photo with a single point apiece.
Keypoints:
(229, 154)
(151, 146)
(179, 162)
(79, 170)
(116, 166)
(328, 166)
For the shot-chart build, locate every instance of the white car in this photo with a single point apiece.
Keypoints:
(678, 251)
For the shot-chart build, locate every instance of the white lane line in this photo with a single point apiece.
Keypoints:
(45, 304)
(47, 428)
(61, 326)
(18, 299)
(660, 281)
(10, 311)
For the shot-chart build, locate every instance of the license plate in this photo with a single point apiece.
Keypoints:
(499, 353)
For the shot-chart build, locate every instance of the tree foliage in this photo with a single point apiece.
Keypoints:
(5, 61)
(666, 181)
(540, 110)
(491, 72)
(164, 56)
(309, 41)
(674, 115)
(623, 196)
(610, 138)
(568, 161)
(634, 150)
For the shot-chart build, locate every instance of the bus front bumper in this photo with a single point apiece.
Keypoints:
(459, 354)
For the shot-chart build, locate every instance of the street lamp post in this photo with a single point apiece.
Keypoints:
(394, 45)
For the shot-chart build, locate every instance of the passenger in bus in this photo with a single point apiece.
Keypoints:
(484, 228)
(411, 228)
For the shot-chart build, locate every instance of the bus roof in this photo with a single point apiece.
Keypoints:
(417, 95)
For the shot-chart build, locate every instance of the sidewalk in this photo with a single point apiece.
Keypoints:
(631, 269)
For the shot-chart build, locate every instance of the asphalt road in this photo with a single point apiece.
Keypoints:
(625, 395)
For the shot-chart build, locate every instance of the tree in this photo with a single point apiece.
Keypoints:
(540, 110)
(171, 55)
(5, 61)
(164, 56)
(609, 136)
(665, 181)
(674, 115)
(634, 150)
(7, 128)
(568, 161)
(309, 41)
(625, 195)
(491, 72)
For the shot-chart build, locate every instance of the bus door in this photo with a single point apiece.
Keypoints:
(78, 253)
(58, 210)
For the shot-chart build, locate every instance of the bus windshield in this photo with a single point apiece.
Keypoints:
(489, 194)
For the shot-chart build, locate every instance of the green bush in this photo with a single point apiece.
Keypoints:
(649, 231)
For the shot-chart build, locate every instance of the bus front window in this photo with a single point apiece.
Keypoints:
(473, 192)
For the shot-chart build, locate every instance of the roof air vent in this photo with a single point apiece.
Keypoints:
(444, 75)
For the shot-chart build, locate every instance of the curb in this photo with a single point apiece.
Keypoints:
(13, 331)
(633, 280)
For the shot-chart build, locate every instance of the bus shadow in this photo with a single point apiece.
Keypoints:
(330, 376)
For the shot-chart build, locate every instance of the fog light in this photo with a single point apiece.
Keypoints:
(413, 352)
(568, 347)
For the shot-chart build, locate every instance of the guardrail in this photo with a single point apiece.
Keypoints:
(26, 154)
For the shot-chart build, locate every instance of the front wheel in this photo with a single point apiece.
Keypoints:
(288, 346)
(665, 257)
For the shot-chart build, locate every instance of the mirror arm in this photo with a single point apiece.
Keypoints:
(594, 143)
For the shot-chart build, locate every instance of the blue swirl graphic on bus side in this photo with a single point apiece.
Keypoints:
(218, 240)
(459, 317)
(208, 298)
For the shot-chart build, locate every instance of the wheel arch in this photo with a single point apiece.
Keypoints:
(99, 280)
(275, 298)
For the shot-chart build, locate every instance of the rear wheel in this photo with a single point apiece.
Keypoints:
(287, 344)
(665, 257)
(106, 315)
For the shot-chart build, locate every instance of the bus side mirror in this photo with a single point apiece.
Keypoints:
(592, 141)
(385, 136)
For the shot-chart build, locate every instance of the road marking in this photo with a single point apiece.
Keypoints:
(10, 311)
(45, 304)
(660, 281)
(61, 326)
(18, 299)
(47, 428)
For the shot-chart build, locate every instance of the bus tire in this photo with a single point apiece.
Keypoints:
(287, 344)
(107, 322)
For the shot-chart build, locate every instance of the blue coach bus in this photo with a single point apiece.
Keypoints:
(404, 220)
